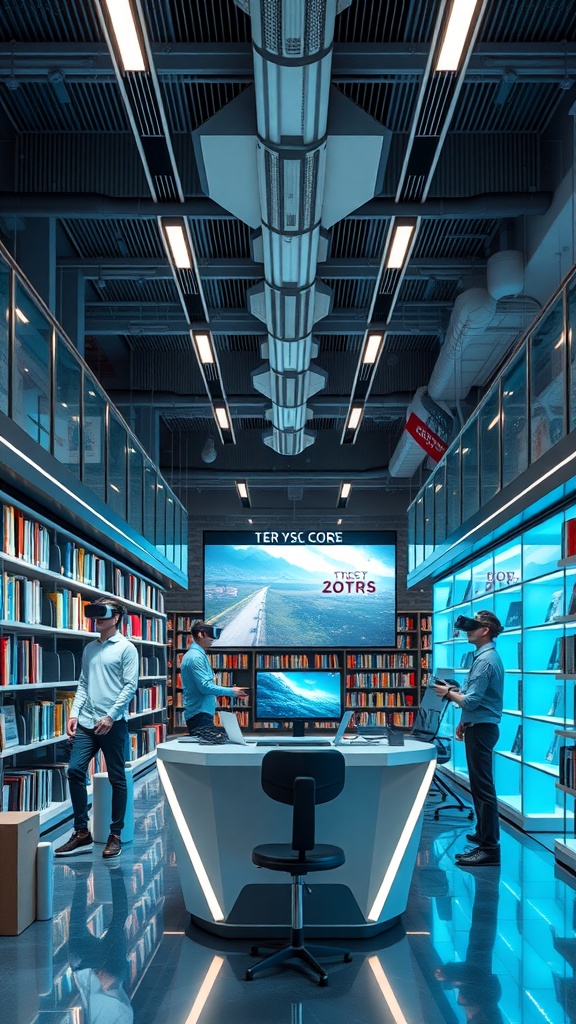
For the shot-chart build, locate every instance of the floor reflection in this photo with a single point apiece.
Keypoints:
(489, 946)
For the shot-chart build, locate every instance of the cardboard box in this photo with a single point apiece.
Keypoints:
(19, 833)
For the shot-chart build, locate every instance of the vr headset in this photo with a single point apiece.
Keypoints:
(100, 611)
(212, 631)
(466, 624)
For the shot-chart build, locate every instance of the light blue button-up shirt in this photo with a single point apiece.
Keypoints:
(198, 684)
(483, 687)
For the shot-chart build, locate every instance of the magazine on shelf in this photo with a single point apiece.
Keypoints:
(516, 747)
(514, 616)
(9, 727)
(557, 699)
(551, 752)
(554, 661)
(555, 606)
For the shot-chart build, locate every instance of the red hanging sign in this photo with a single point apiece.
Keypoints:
(426, 438)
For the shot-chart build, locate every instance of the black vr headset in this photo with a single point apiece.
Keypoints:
(101, 611)
(466, 624)
(212, 631)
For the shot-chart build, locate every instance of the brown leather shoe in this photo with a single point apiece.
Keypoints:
(113, 847)
(79, 842)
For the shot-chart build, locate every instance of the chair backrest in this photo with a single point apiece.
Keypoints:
(429, 715)
(303, 778)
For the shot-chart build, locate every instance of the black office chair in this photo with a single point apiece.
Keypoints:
(426, 725)
(302, 778)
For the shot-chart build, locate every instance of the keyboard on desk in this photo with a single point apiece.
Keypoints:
(294, 741)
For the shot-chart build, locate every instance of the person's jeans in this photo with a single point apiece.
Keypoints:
(199, 721)
(113, 745)
(480, 741)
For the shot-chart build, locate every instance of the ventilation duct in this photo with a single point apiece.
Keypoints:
(482, 327)
(428, 427)
(290, 157)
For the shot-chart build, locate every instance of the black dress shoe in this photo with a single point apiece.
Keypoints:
(466, 853)
(479, 858)
(473, 837)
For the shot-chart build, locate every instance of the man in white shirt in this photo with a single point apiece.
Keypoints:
(108, 681)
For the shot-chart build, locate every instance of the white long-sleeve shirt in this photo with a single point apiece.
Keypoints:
(108, 680)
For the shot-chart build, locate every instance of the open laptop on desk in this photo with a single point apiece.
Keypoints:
(234, 734)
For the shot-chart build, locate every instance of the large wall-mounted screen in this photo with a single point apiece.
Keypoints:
(301, 588)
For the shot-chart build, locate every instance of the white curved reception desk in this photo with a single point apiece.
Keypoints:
(220, 813)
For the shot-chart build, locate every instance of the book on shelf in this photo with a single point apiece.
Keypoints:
(571, 610)
(555, 606)
(514, 615)
(557, 699)
(520, 694)
(570, 538)
(568, 654)
(554, 659)
(551, 752)
(516, 747)
(9, 731)
(467, 659)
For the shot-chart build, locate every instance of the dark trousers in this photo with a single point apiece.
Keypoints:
(480, 741)
(199, 721)
(113, 745)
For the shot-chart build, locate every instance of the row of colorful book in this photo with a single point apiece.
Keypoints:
(380, 680)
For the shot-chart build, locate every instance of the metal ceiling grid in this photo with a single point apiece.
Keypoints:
(428, 290)
(236, 374)
(404, 373)
(390, 102)
(167, 343)
(102, 164)
(407, 344)
(529, 107)
(359, 238)
(171, 21)
(238, 342)
(220, 239)
(340, 368)
(350, 294)
(35, 107)
(366, 21)
(509, 20)
(338, 342)
(455, 238)
(102, 239)
(188, 104)
(30, 20)
(139, 290)
(227, 293)
(153, 371)
(480, 163)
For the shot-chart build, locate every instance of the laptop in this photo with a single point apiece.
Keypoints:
(234, 734)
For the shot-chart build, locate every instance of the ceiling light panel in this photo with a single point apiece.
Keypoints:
(126, 36)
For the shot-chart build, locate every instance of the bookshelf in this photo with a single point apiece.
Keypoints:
(530, 584)
(377, 683)
(47, 575)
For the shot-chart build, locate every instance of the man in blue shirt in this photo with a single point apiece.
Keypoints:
(199, 685)
(480, 699)
(108, 681)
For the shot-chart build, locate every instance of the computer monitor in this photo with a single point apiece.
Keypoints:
(298, 696)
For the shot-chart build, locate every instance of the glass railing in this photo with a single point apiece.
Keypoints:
(47, 389)
(528, 409)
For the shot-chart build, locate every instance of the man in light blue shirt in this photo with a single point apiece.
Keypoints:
(199, 685)
(108, 681)
(481, 699)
